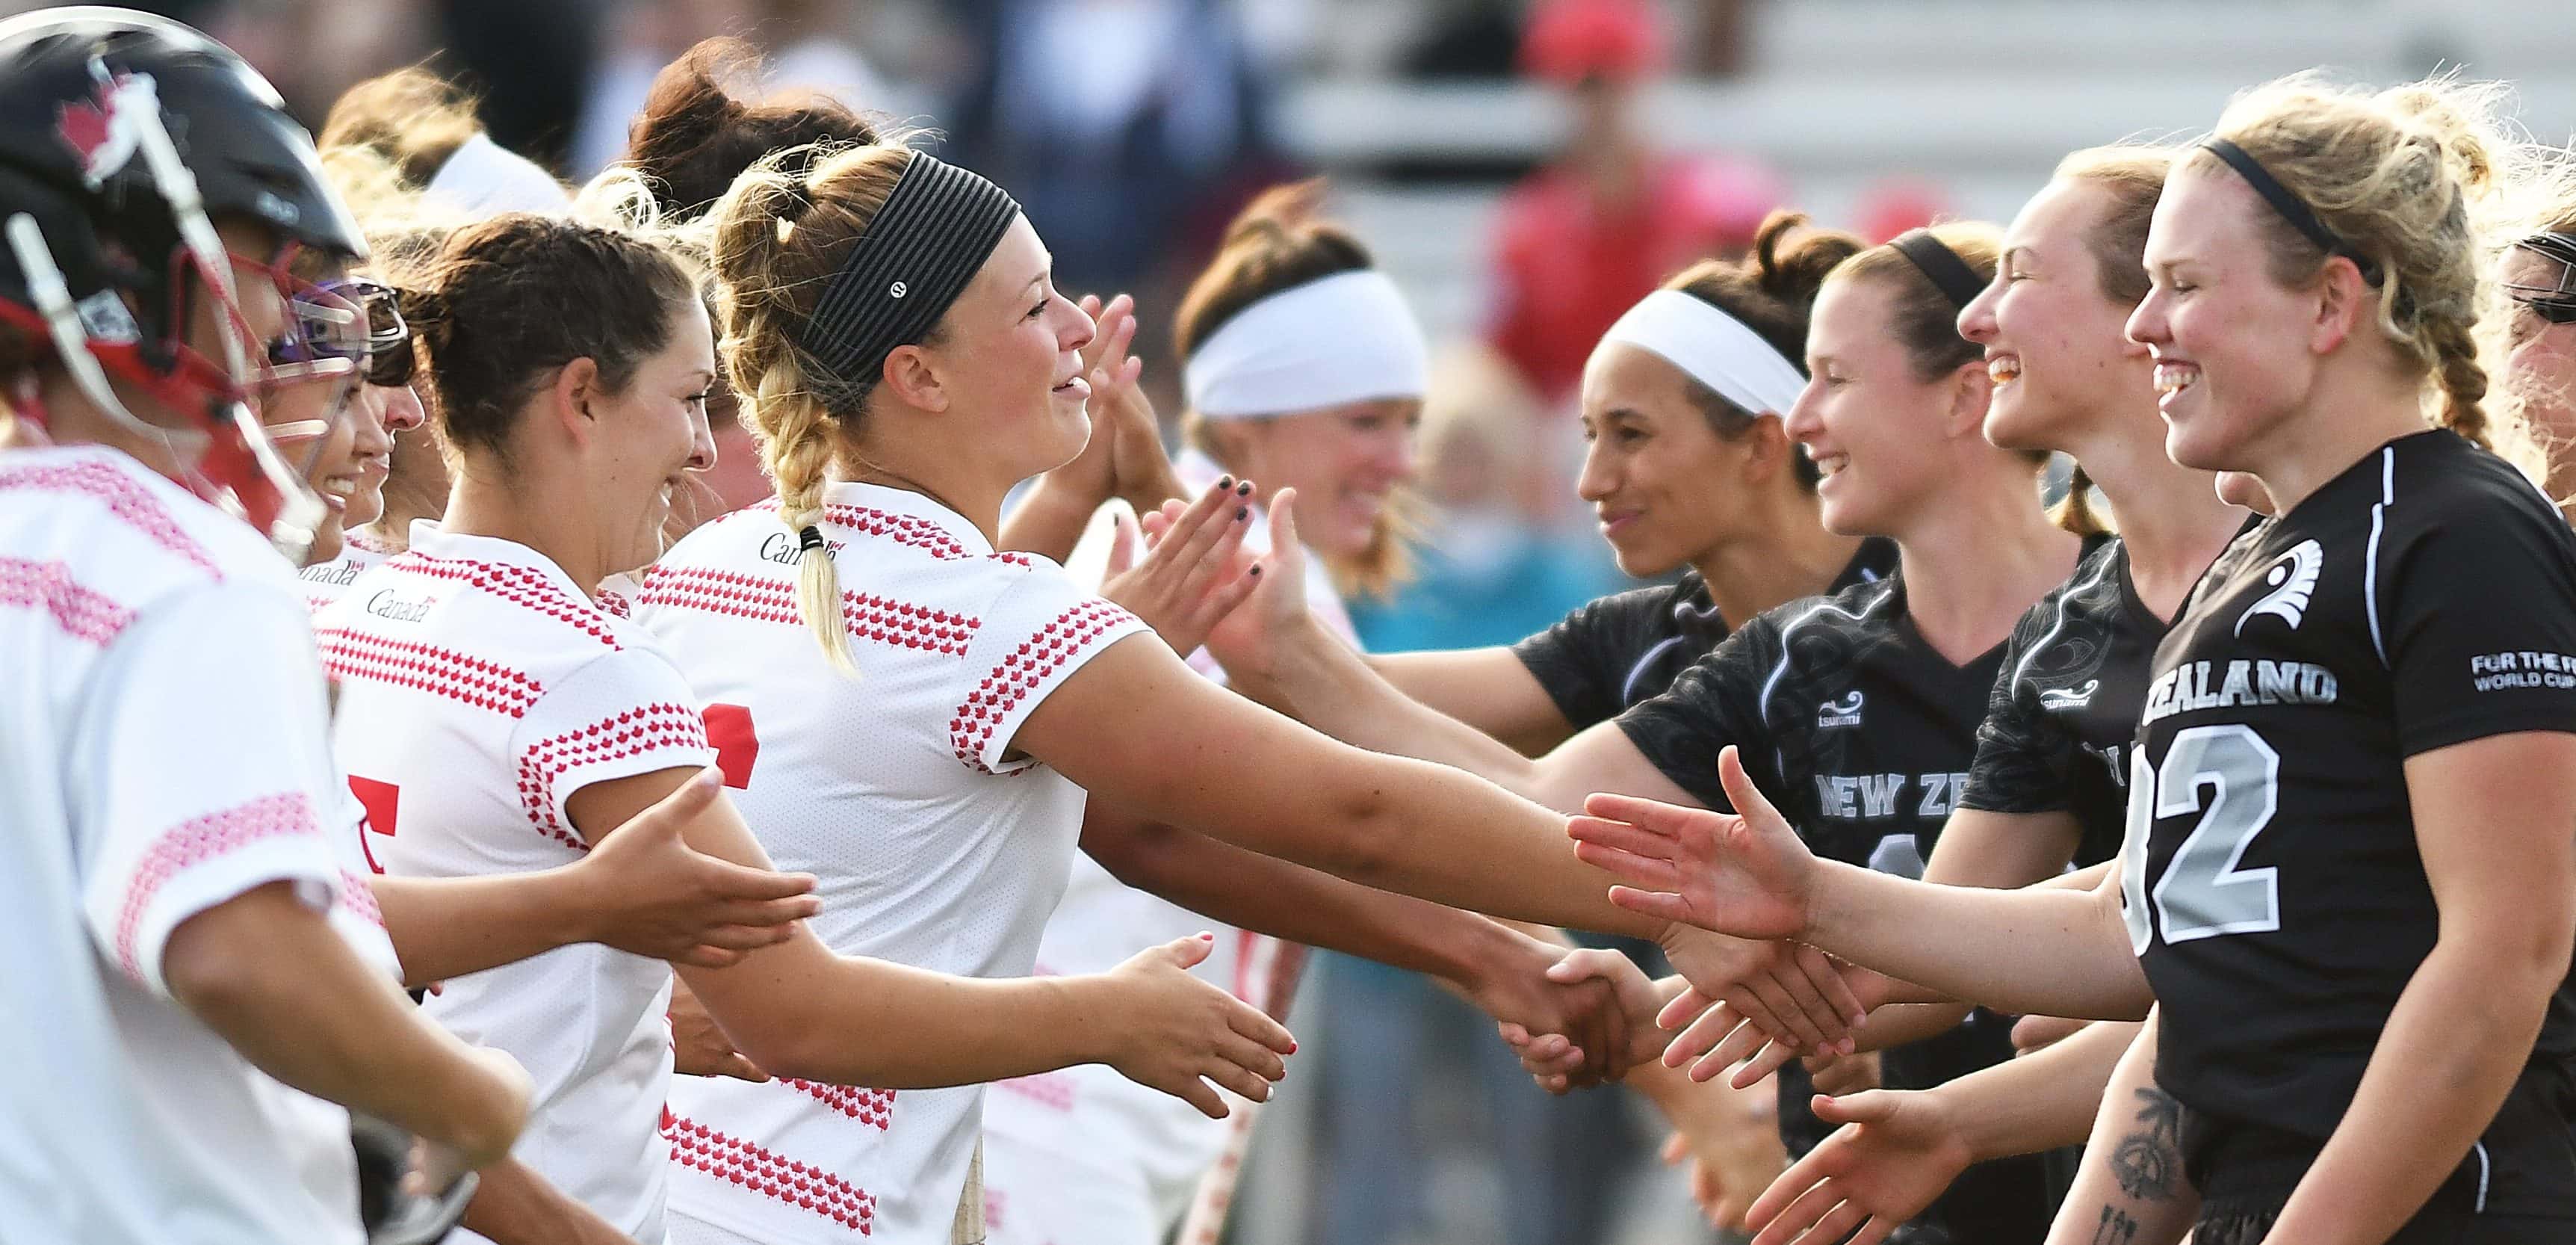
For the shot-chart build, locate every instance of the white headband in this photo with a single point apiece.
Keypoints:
(485, 179)
(1346, 338)
(1715, 348)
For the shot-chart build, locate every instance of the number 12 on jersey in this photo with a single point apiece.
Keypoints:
(2231, 778)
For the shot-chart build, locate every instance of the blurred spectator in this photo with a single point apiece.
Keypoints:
(803, 47)
(1892, 205)
(529, 62)
(1584, 238)
(1121, 125)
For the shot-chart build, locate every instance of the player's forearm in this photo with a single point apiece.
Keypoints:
(270, 976)
(1049, 521)
(2042, 1100)
(2130, 1186)
(1463, 686)
(448, 927)
(854, 1021)
(2046, 950)
(1329, 686)
(1895, 1024)
(516, 1206)
(2457, 1039)
(1270, 896)
(1438, 834)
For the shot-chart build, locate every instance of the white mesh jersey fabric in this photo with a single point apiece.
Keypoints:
(1069, 1147)
(479, 689)
(164, 753)
(932, 845)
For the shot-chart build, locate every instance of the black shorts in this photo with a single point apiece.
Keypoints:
(2516, 1187)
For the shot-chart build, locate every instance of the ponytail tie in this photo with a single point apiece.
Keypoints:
(811, 538)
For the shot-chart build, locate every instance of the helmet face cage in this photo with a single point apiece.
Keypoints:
(2556, 301)
(225, 454)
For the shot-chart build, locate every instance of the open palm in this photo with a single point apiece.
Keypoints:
(1747, 875)
(1895, 1152)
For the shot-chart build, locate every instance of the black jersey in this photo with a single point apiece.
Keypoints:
(2425, 597)
(2059, 724)
(1861, 733)
(1628, 647)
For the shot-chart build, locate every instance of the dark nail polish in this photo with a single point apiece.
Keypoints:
(1242, 513)
(1255, 572)
(1244, 489)
(1225, 482)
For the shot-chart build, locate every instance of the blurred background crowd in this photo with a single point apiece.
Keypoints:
(1526, 169)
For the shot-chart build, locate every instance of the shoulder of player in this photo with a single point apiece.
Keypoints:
(2446, 470)
(97, 520)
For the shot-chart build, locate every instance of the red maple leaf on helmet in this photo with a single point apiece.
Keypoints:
(102, 134)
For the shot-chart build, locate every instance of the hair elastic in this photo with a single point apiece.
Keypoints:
(2292, 208)
(1934, 259)
(934, 233)
(809, 537)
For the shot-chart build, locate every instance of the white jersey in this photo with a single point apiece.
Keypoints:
(325, 581)
(932, 844)
(162, 751)
(1084, 1153)
(479, 689)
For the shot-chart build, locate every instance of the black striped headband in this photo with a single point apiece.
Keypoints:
(2292, 208)
(1950, 274)
(936, 229)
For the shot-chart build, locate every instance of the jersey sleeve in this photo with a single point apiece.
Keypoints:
(2025, 757)
(1716, 702)
(202, 770)
(1037, 632)
(620, 714)
(2478, 621)
(1577, 659)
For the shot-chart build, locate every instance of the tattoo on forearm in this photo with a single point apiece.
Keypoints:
(2148, 1162)
(2116, 1229)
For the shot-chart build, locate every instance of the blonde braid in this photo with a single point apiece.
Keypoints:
(774, 240)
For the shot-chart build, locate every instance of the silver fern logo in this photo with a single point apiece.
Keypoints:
(1844, 712)
(2294, 582)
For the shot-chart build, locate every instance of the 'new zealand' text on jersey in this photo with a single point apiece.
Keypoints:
(2426, 597)
(2057, 730)
(1628, 647)
(1861, 733)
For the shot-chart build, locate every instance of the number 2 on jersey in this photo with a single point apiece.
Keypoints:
(2203, 893)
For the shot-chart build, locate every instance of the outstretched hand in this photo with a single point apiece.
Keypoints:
(1178, 1033)
(653, 895)
(1246, 641)
(1791, 992)
(1744, 873)
(1896, 1151)
(1191, 576)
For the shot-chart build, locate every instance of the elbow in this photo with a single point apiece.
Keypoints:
(1358, 836)
(1128, 848)
(225, 962)
(796, 1052)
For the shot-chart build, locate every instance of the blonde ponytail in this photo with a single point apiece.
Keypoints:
(774, 240)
